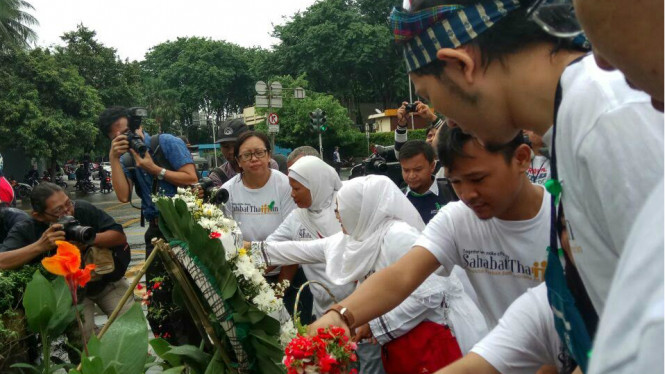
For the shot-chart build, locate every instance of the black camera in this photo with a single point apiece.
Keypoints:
(134, 116)
(383, 162)
(75, 232)
(212, 194)
(411, 108)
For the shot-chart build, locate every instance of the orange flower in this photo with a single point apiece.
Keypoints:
(67, 262)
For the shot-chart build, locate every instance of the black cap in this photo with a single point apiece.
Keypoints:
(229, 131)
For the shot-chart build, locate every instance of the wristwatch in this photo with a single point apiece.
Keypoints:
(344, 313)
(161, 174)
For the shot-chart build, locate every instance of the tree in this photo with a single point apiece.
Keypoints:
(295, 130)
(343, 52)
(15, 24)
(196, 74)
(117, 82)
(45, 106)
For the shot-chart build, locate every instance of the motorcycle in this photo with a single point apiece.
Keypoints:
(60, 181)
(105, 185)
(85, 186)
(22, 190)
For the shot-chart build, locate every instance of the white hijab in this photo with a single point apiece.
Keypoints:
(322, 182)
(367, 206)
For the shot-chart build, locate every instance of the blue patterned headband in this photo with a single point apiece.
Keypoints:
(450, 26)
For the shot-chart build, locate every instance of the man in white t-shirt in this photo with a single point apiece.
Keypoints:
(630, 334)
(523, 342)
(497, 233)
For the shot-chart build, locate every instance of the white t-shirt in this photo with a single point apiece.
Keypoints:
(630, 333)
(539, 170)
(292, 229)
(609, 150)
(259, 211)
(502, 258)
(525, 338)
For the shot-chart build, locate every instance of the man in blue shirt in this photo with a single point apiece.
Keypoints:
(160, 171)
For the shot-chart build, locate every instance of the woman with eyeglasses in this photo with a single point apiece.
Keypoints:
(259, 197)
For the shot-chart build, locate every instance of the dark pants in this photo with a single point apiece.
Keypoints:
(337, 166)
(166, 319)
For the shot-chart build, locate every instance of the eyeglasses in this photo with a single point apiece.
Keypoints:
(555, 17)
(62, 210)
(259, 154)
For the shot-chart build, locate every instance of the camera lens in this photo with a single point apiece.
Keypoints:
(81, 234)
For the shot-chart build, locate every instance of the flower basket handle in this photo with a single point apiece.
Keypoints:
(296, 317)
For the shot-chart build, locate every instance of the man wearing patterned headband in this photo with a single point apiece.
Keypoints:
(492, 71)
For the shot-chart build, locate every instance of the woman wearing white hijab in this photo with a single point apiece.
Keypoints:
(314, 185)
(380, 225)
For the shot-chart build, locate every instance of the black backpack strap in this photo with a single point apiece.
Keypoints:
(157, 154)
(446, 191)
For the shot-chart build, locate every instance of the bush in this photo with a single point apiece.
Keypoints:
(388, 138)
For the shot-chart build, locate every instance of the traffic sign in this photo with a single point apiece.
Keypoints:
(273, 119)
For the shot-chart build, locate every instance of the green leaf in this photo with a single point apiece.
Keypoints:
(113, 369)
(192, 356)
(126, 342)
(32, 368)
(175, 370)
(216, 365)
(64, 311)
(39, 302)
(92, 365)
(161, 348)
(93, 345)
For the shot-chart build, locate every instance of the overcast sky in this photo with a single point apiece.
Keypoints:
(133, 26)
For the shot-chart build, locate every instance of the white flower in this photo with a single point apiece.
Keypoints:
(287, 332)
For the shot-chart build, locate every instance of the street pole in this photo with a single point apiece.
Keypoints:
(272, 134)
(214, 143)
(320, 145)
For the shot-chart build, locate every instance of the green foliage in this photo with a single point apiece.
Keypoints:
(39, 303)
(45, 106)
(125, 344)
(15, 22)
(176, 356)
(257, 331)
(192, 74)
(12, 319)
(388, 138)
(295, 129)
(346, 48)
(116, 82)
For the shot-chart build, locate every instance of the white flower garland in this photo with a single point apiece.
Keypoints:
(254, 286)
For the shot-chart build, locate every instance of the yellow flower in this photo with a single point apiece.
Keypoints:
(242, 252)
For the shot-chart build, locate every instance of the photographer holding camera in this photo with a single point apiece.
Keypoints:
(101, 240)
(158, 165)
(421, 110)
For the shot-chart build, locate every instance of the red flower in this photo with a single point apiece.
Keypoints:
(139, 287)
(67, 262)
(215, 235)
(326, 363)
(156, 285)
